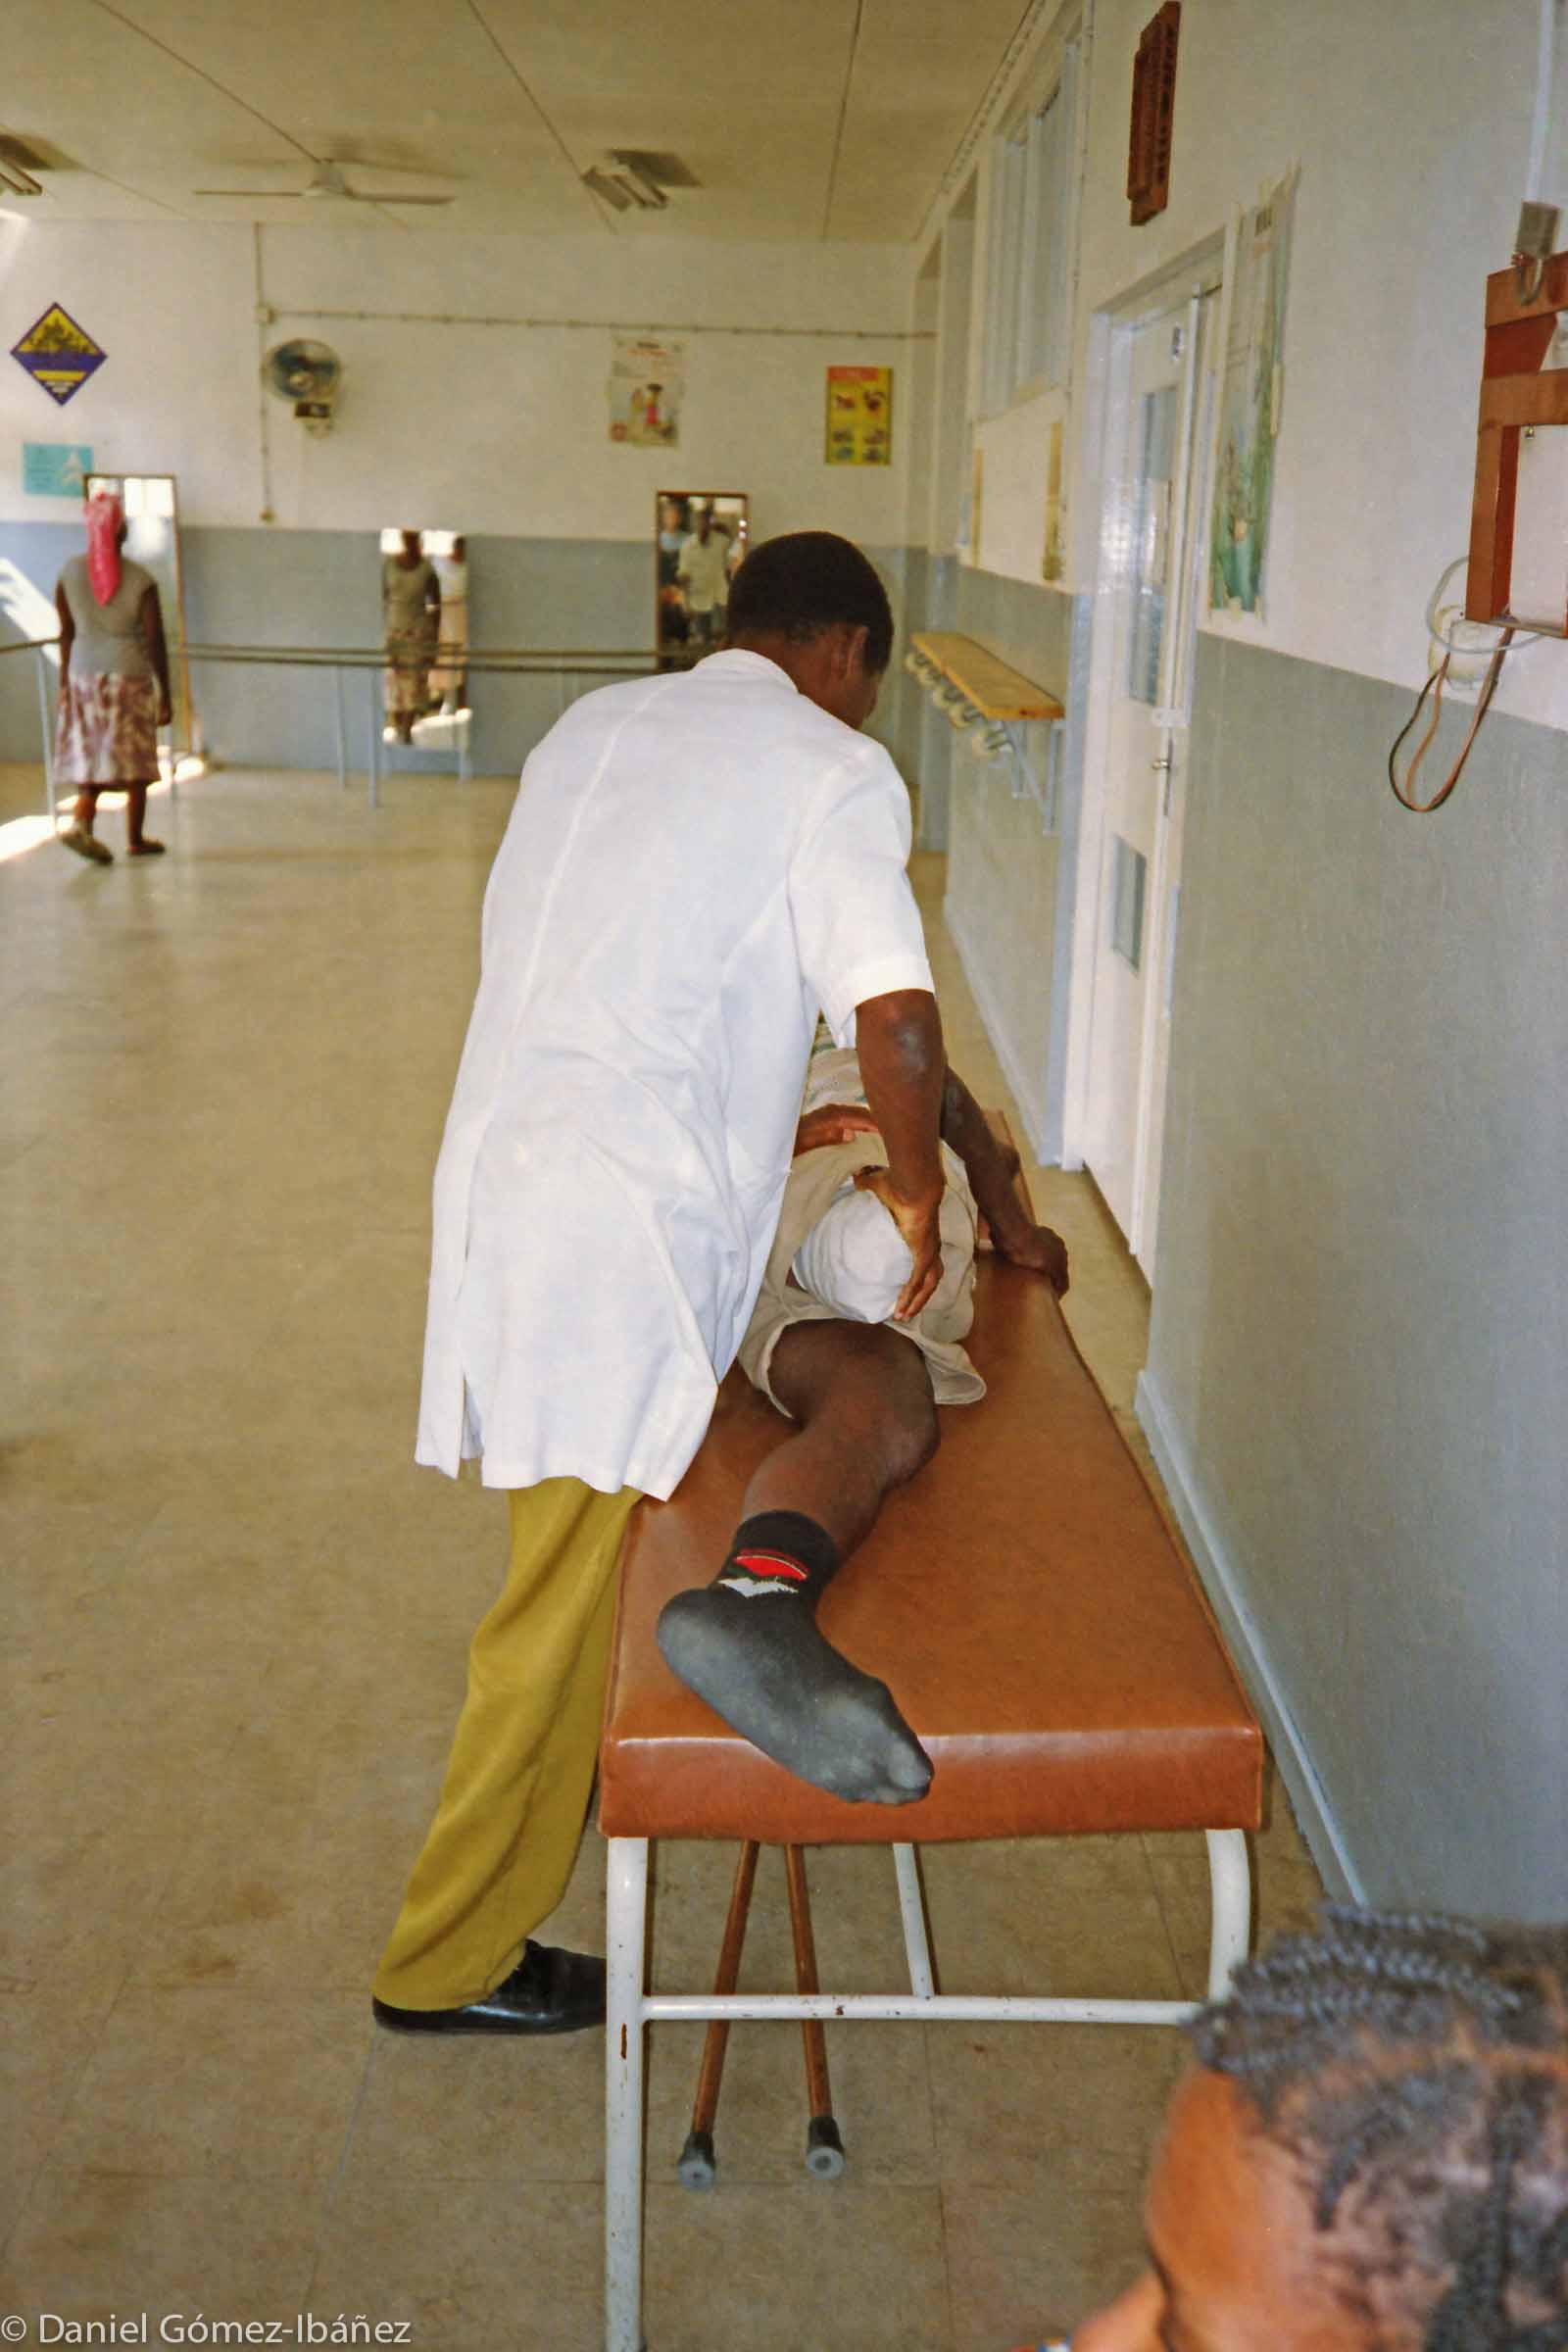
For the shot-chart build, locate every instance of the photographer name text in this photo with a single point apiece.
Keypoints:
(195, 2328)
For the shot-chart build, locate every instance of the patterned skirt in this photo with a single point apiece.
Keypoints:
(409, 655)
(106, 730)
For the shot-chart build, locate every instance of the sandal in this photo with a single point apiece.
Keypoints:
(145, 847)
(87, 844)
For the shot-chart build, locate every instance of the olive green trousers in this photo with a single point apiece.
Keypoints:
(505, 1832)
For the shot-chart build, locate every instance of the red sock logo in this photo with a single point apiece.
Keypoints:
(770, 1563)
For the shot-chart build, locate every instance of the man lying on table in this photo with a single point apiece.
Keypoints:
(825, 1345)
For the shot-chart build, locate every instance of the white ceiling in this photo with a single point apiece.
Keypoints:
(801, 118)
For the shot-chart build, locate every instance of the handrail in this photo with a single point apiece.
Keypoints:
(565, 663)
(374, 656)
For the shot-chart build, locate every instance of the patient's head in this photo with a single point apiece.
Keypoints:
(1371, 2154)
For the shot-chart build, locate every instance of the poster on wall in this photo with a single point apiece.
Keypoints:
(55, 469)
(1053, 555)
(645, 384)
(859, 417)
(1252, 391)
(969, 512)
(58, 353)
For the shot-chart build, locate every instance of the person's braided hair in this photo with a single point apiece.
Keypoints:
(1417, 2070)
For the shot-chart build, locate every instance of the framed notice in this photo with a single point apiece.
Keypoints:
(1053, 558)
(859, 417)
(55, 469)
(1251, 396)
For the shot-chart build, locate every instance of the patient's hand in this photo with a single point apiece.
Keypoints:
(832, 1123)
(1038, 1248)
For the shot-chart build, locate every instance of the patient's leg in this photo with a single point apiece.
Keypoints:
(749, 1642)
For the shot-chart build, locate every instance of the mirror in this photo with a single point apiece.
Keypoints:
(700, 537)
(425, 625)
(151, 502)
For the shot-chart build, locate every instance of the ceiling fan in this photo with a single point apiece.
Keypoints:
(327, 181)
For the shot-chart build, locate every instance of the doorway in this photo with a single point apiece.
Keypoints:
(1154, 478)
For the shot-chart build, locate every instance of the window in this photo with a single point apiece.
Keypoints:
(1028, 278)
(1128, 875)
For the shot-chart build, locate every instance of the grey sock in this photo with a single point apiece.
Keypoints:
(749, 1644)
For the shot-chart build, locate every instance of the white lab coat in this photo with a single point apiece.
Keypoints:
(702, 570)
(695, 865)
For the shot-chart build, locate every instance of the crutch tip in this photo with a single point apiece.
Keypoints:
(698, 2166)
(824, 2149)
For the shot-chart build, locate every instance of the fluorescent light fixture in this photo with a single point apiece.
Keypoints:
(627, 176)
(640, 182)
(610, 186)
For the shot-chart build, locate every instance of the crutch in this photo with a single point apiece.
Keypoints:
(824, 2149)
(697, 2165)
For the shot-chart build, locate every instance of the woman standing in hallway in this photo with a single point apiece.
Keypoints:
(113, 683)
(410, 620)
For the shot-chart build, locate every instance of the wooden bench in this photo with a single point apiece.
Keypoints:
(1043, 1637)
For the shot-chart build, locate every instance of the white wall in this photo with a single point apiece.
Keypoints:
(1357, 1367)
(1410, 124)
(1011, 538)
(499, 429)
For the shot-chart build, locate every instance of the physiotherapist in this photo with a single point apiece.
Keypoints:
(695, 867)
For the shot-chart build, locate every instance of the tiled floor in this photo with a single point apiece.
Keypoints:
(237, 1646)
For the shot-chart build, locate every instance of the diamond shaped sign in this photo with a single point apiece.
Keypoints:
(58, 353)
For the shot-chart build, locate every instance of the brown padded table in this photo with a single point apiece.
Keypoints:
(1045, 1639)
(1021, 1597)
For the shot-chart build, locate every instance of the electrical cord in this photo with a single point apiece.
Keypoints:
(1403, 793)
(1442, 636)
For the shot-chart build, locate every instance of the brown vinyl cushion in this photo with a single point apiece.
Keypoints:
(1020, 1596)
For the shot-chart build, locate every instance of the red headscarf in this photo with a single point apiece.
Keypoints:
(105, 516)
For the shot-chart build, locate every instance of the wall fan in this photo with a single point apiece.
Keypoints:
(327, 181)
(307, 375)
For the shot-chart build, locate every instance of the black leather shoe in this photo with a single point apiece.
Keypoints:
(549, 1991)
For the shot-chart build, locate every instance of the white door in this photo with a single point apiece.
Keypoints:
(1150, 550)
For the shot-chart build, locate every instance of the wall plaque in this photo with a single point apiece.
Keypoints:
(58, 353)
(1153, 113)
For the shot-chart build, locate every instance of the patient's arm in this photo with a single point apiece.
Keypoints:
(991, 1168)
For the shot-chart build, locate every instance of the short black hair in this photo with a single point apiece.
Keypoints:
(1416, 2069)
(807, 581)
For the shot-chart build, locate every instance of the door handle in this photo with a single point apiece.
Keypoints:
(1161, 765)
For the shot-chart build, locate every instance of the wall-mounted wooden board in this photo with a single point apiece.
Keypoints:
(996, 689)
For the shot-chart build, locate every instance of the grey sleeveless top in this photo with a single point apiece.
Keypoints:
(109, 638)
